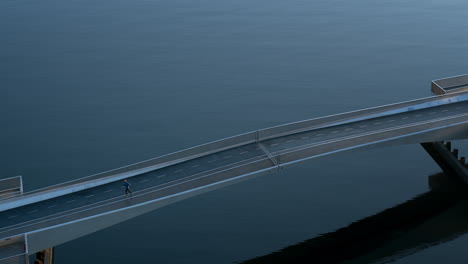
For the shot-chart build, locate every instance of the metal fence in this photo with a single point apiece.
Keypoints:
(19, 259)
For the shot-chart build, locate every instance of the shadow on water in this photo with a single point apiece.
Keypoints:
(432, 218)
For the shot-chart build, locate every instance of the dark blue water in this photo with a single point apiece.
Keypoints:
(88, 86)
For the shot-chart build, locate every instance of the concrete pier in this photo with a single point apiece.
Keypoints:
(45, 256)
(448, 160)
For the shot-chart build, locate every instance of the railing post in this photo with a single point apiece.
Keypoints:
(448, 144)
(455, 153)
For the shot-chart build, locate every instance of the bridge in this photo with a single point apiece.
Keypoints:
(41, 219)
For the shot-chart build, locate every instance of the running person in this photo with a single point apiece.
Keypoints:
(127, 188)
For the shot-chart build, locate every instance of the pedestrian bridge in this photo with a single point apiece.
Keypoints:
(44, 218)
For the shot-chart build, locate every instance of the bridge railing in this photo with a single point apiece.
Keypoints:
(348, 117)
(19, 259)
(450, 84)
(166, 160)
(15, 250)
(11, 187)
(263, 134)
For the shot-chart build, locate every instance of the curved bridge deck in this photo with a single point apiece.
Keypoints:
(70, 210)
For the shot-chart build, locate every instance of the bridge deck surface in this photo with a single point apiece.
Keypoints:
(214, 168)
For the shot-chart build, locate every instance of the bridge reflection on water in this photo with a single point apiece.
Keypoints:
(432, 218)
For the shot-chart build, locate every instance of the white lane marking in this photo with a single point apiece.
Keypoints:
(459, 107)
(52, 206)
(89, 196)
(177, 171)
(444, 110)
(349, 129)
(378, 123)
(275, 144)
(289, 141)
(333, 132)
(212, 161)
(389, 121)
(12, 216)
(363, 126)
(71, 201)
(304, 137)
(30, 212)
(243, 152)
(194, 166)
(318, 135)
(227, 157)
(160, 176)
(431, 113)
(144, 180)
(108, 191)
(405, 117)
(418, 115)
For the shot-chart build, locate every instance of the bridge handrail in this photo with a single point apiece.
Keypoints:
(11, 182)
(352, 116)
(11, 187)
(166, 160)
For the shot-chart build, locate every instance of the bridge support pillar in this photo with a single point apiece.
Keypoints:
(447, 160)
(45, 256)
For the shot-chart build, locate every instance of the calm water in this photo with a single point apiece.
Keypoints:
(88, 86)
